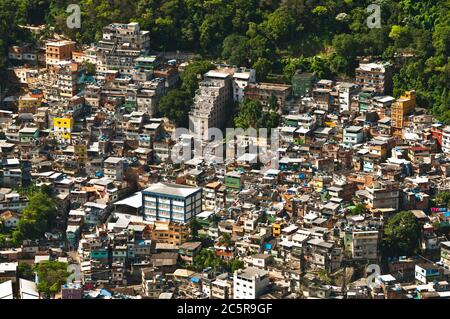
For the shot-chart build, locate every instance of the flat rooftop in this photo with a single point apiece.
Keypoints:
(171, 189)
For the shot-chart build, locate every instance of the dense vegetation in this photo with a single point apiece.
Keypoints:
(52, 275)
(36, 219)
(401, 235)
(176, 104)
(208, 258)
(251, 114)
(274, 36)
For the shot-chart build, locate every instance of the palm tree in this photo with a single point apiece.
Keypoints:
(225, 240)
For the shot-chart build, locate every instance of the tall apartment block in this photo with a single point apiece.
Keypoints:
(376, 76)
(121, 45)
(210, 103)
(346, 93)
(402, 108)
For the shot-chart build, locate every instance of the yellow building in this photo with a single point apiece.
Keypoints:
(80, 151)
(29, 104)
(169, 233)
(402, 108)
(276, 229)
(62, 127)
(378, 149)
(319, 183)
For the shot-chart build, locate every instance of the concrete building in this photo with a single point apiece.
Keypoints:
(172, 233)
(241, 79)
(346, 93)
(365, 244)
(374, 75)
(302, 83)
(114, 168)
(264, 91)
(6, 290)
(353, 135)
(402, 108)
(445, 254)
(23, 53)
(58, 51)
(250, 283)
(211, 103)
(121, 45)
(381, 195)
(62, 128)
(171, 202)
(446, 140)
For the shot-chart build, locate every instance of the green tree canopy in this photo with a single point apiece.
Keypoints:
(235, 264)
(51, 275)
(195, 226)
(251, 115)
(402, 234)
(235, 49)
(175, 105)
(37, 218)
(442, 198)
(208, 258)
(25, 271)
(192, 73)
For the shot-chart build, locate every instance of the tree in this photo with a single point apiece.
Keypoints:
(320, 67)
(190, 76)
(195, 226)
(441, 38)
(51, 275)
(225, 240)
(280, 25)
(235, 264)
(262, 218)
(262, 67)
(25, 271)
(401, 235)
(175, 105)
(324, 276)
(90, 68)
(248, 114)
(442, 198)
(215, 219)
(251, 115)
(37, 218)
(359, 209)
(208, 258)
(290, 65)
(235, 49)
(273, 102)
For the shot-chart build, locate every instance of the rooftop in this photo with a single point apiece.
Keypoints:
(171, 189)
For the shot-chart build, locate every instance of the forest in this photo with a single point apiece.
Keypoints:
(275, 37)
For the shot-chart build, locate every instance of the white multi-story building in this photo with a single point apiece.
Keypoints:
(353, 135)
(365, 244)
(241, 79)
(446, 140)
(250, 283)
(346, 91)
(171, 202)
(114, 168)
(210, 103)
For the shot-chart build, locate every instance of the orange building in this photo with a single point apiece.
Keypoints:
(58, 51)
(402, 108)
(169, 233)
